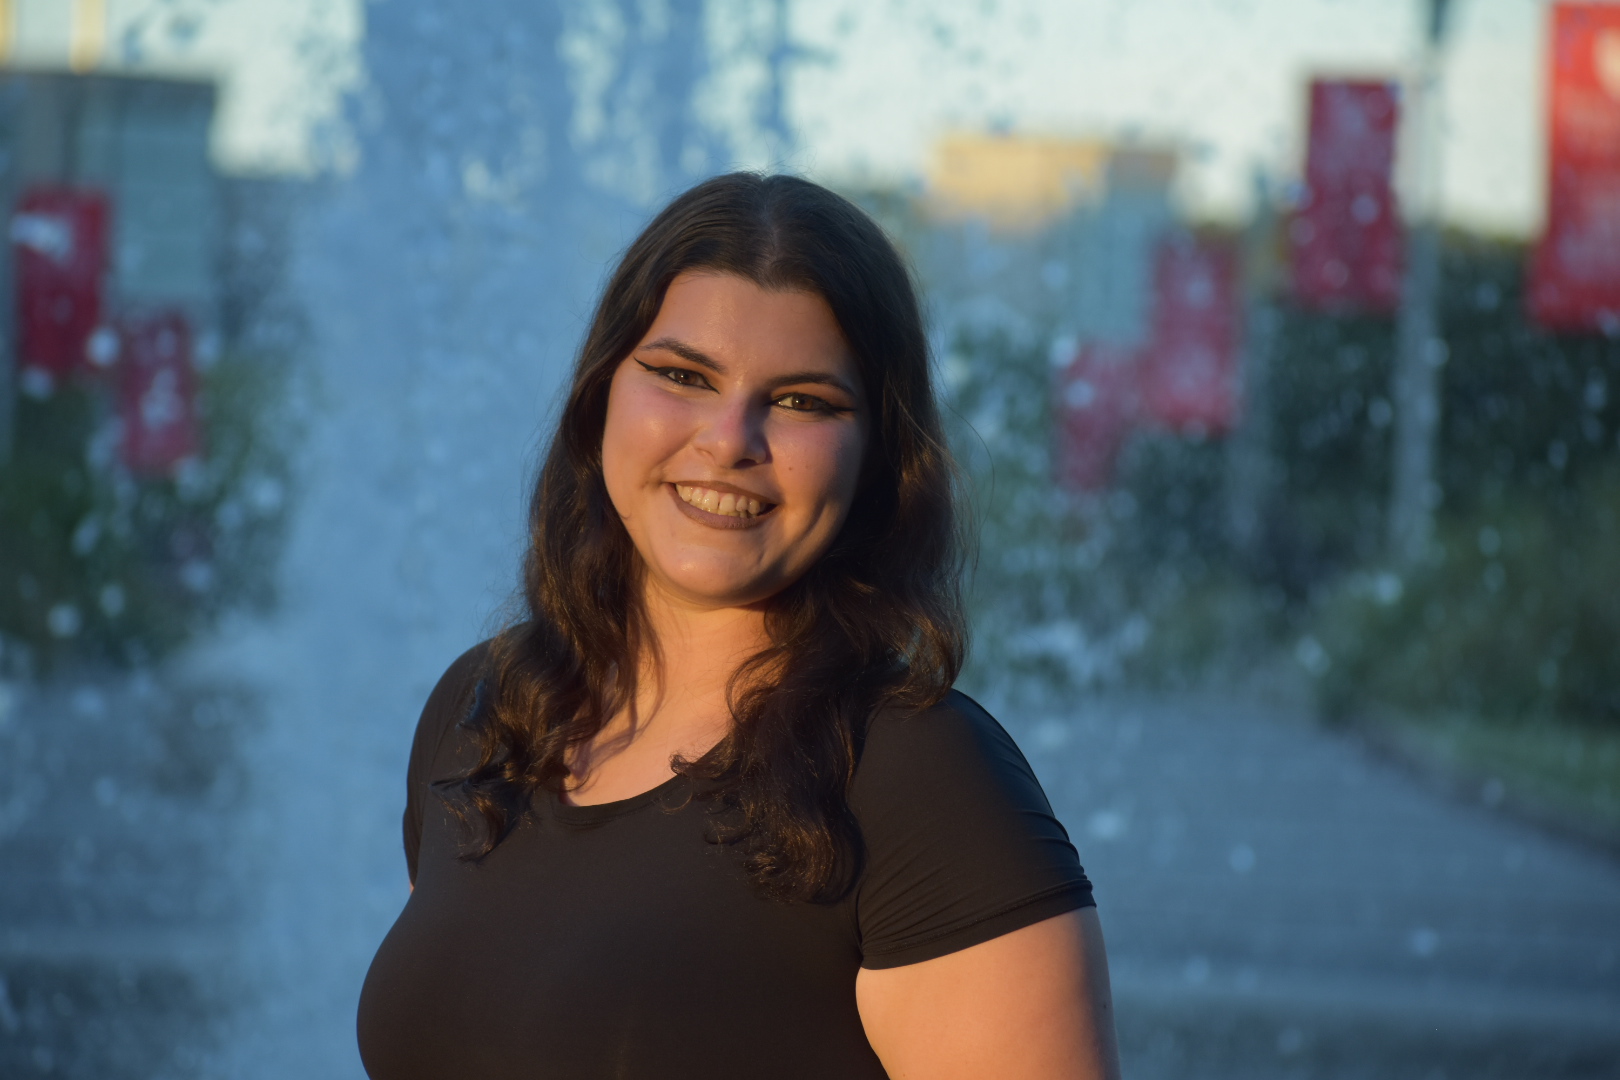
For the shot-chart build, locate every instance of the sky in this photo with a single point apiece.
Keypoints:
(873, 83)
(1224, 79)
(283, 65)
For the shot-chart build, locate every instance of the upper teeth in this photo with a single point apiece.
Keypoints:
(718, 502)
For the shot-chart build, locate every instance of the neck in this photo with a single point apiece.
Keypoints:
(681, 706)
(692, 652)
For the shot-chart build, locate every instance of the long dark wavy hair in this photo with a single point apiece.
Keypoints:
(875, 623)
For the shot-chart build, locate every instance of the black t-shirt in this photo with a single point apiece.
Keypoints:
(616, 941)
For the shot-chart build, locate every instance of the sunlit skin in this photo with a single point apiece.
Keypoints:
(746, 391)
(752, 393)
(1030, 1005)
(742, 391)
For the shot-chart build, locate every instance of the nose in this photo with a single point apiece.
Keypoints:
(732, 435)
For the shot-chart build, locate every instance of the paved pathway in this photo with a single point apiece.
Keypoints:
(117, 913)
(1278, 902)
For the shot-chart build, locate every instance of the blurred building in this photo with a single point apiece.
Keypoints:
(1111, 248)
(1018, 183)
(139, 148)
(146, 324)
(1040, 232)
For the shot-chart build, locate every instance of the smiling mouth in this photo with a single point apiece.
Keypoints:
(724, 503)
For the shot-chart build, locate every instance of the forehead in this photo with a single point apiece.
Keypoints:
(737, 321)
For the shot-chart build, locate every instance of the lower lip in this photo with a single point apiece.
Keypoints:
(716, 521)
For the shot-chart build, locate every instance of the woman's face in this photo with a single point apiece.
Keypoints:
(733, 439)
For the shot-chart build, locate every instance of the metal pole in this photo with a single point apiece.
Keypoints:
(1420, 351)
(1250, 469)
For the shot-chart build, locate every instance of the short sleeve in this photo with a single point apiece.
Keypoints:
(961, 843)
(445, 707)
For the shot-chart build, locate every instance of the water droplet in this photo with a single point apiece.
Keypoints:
(1079, 394)
(1050, 735)
(1597, 392)
(265, 494)
(1311, 656)
(1388, 588)
(63, 620)
(1423, 942)
(1106, 824)
(197, 575)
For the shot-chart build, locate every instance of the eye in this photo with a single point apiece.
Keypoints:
(806, 403)
(680, 376)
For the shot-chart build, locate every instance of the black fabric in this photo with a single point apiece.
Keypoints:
(616, 941)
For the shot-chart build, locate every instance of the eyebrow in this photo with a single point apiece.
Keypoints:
(687, 352)
(702, 359)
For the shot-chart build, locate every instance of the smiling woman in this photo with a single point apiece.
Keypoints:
(733, 439)
(712, 808)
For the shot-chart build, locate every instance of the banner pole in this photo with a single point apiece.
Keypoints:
(1420, 350)
(1251, 473)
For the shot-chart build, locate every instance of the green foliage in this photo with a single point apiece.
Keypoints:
(101, 565)
(1028, 585)
(1073, 590)
(1564, 772)
(1515, 617)
(1140, 584)
(1330, 423)
(1528, 414)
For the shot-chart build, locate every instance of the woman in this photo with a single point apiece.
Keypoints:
(712, 808)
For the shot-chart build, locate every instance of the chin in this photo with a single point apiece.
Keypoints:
(718, 588)
(721, 595)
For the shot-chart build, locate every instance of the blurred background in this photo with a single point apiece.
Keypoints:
(1281, 345)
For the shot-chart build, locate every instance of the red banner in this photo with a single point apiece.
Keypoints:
(1189, 373)
(1575, 272)
(1097, 401)
(1345, 237)
(59, 241)
(157, 394)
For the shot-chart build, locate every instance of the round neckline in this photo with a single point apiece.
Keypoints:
(592, 813)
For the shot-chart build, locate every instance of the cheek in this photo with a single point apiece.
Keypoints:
(642, 429)
(821, 463)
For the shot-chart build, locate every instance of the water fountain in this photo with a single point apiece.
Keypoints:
(506, 152)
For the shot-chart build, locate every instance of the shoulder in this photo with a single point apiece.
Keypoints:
(452, 700)
(961, 844)
(954, 746)
(956, 722)
(461, 677)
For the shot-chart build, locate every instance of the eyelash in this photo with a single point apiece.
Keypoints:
(819, 405)
(673, 373)
(676, 374)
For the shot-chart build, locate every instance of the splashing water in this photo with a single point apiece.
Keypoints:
(507, 152)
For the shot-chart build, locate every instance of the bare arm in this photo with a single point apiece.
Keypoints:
(1030, 1005)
